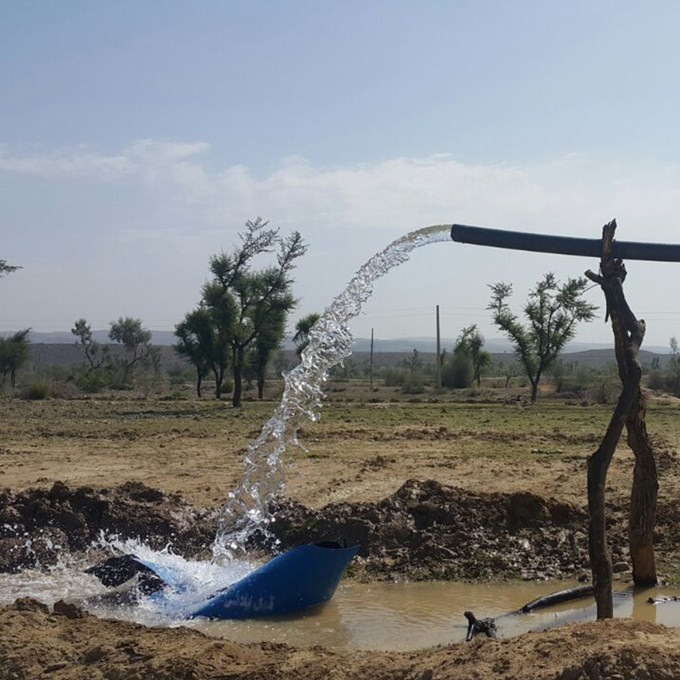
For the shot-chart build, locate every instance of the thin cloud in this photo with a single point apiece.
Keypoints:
(573, 194)
(83, 162)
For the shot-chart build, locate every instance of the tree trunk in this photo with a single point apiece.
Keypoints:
(219, 378)
(238, 378)
(629, 411)
(534, 390)
(199, 382)
(642, 513)
(260, 385)
(598, 465)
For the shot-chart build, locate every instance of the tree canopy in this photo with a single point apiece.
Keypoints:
(552, 311)
(96, 355)
(472, 342)
(198, 341)
(129, 333)
(13, 354)
(243, 310)
(302, 329)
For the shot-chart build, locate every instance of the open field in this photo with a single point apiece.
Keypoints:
(360, 450)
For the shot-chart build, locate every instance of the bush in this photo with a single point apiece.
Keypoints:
(92, 383)
(458, 371)
(179, 374)
(664, 382)
(36, 391)
(413, 384)
(606, 390)
(393, 377)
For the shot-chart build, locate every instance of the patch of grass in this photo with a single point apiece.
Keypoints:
(36, 391)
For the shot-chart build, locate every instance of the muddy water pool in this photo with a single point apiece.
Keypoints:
(381, 616)
(387, 616)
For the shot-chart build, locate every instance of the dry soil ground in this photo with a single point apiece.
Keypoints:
(363, 449)
(359, 450)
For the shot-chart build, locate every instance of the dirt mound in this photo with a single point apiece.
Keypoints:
(427, 530)
(68, 644)
(37, 523)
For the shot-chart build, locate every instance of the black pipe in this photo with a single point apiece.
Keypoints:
(563, 245)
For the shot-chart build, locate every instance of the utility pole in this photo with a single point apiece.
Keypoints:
(371, 365)
(439, 354)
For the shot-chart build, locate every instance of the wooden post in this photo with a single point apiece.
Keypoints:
(642, 512)
(439, 354)
(371, 364)
(628, 336)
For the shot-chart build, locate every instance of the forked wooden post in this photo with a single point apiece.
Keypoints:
(629, 412)
(631, 406)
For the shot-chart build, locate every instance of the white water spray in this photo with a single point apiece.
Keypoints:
(248, 506)
(330, 342)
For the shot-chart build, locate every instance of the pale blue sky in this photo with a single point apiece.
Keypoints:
(136, 137)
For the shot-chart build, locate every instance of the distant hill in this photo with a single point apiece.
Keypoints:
(67, 338)
(61, 354)
(493, 345)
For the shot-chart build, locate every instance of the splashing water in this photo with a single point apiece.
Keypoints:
(330, 341)
(191, 582)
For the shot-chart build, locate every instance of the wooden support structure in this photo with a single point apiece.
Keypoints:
(629, 413)
(631, 406)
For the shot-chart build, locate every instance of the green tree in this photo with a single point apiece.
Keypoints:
(196, 342)
(96, 355)
(14, 352)
(552, 312)
(237, 296)
(473, 340)
(136, 340)
(302, 329)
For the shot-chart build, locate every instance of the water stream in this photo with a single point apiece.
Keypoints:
(330, 342)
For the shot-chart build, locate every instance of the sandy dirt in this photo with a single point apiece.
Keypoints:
(71, 645)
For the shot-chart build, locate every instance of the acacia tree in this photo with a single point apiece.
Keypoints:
(135, 339)
(198, 342)
(96, 355)
(302, 329)
(473, 341)
(552, 312)
(14, 352)
(237, 296)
